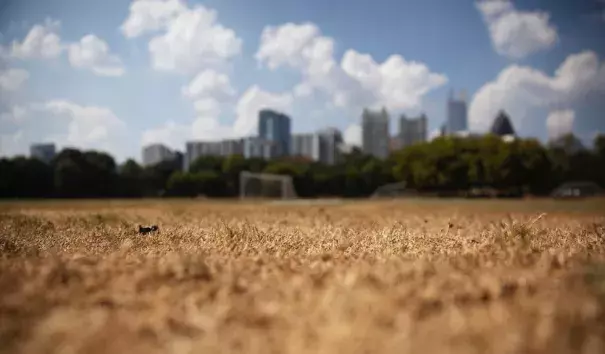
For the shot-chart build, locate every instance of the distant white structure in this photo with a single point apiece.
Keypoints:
(412, 131)
(156, 153)
(456, 115)
(43, 152)
(375, 133)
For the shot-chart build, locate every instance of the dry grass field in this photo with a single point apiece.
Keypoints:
(412, 276)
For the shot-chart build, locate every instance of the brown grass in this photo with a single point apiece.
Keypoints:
(405, 277)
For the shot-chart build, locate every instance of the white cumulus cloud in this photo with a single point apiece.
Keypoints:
(12, 79)
(190, 38)
(560, 123)
(171, 134)
(209, 83)
(93, 53)
(520, 89)
(88, 126)
(356, 81)
(41, 42)
(151, 15)
(352, 135)
(517, 34)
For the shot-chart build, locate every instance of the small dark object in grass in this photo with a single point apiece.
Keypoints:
(146, 230)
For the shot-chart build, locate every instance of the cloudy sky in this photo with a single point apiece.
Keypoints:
(117, 74)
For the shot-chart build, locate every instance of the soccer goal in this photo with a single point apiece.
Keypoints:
(266, 185)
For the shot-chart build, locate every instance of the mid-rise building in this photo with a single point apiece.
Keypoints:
(156, 153)
(375, 133)
(412, 131)
(275, 127)
(43, 152)
(456, 115)
(255, 147)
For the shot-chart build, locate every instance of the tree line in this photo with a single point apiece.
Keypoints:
(443, 165)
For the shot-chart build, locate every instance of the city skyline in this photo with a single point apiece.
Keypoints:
(111, 77)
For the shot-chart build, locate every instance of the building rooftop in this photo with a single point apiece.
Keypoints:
(502, 125)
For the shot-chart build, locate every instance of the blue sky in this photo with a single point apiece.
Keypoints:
(115, 75)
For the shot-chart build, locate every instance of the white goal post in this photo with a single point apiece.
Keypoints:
(266, 185)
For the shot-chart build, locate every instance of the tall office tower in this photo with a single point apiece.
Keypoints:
(330, 143)
(255, 147)
(156, 153)
(412, 131)
(375, 133)
(43, 152)
(456, 115)
(275, 127)
(196, 149)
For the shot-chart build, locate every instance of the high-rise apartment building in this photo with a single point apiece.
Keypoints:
(232, 147)
(196, 149)
(412, 131)
(156, 153)
(275, 127)
(307, 145)
(375, 133)
(255, 147)
(43, 152)
(322, 146)
(330, 140)
(456, 115)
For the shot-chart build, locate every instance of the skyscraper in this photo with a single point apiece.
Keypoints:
(156, 153)
(412, 131)
(456, 115)
(43, 152)
(275, 127)
(375, 133)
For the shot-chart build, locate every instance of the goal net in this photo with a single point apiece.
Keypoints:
(266, 185)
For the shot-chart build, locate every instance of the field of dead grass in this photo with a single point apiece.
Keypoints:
(366, 277)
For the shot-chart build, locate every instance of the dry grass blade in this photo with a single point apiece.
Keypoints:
(408, 277)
